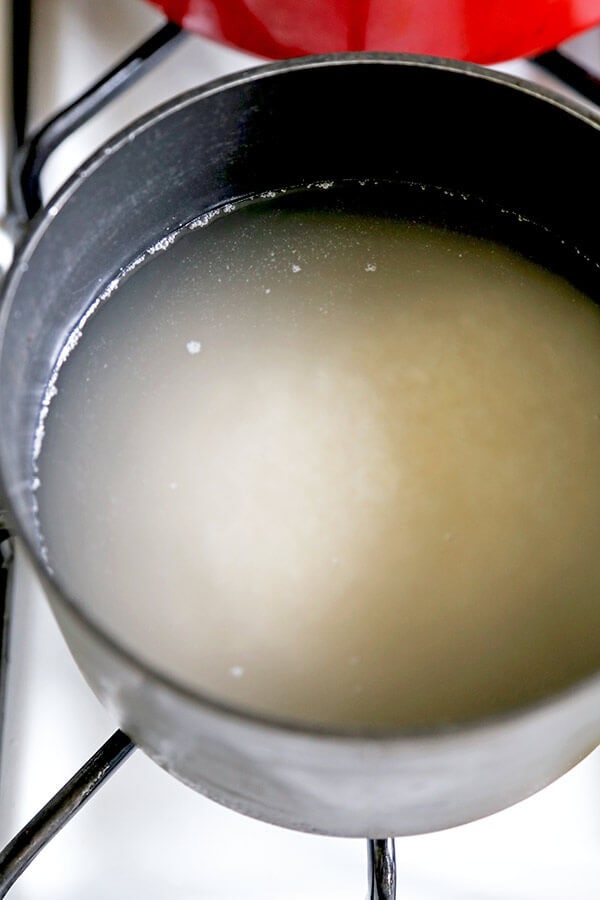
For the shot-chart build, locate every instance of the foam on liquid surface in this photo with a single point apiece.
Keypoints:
(336, 467)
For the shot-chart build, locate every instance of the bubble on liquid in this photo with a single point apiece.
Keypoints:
(267, 290)
(203, 220)
(370, 267)
(296, 268)
(193, 347)
(163, 244)
(236, 671)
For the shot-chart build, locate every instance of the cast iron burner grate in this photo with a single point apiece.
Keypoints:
(29, 154)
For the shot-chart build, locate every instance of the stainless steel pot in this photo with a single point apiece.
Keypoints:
(424, 120)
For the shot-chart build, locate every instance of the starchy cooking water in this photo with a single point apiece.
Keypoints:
(335, 466)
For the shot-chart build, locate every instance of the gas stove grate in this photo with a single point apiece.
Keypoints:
(29, 155)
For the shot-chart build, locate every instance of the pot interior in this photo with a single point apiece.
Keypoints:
(460, 130)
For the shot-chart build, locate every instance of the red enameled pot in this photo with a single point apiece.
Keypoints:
(483, 31)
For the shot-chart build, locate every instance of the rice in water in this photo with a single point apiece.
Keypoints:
(335, 467)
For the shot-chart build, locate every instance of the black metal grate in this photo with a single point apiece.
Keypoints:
(29, 154)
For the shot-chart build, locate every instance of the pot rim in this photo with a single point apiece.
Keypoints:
(27, 247)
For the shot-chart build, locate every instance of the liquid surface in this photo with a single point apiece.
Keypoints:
(336, 468)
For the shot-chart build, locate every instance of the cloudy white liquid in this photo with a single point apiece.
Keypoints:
(336, 468)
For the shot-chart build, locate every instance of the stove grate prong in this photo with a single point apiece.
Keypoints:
(26, 845)
(382, 869)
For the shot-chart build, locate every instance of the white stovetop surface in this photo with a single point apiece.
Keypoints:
(145, 835)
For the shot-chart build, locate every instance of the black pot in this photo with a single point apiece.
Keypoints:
(458, 127)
